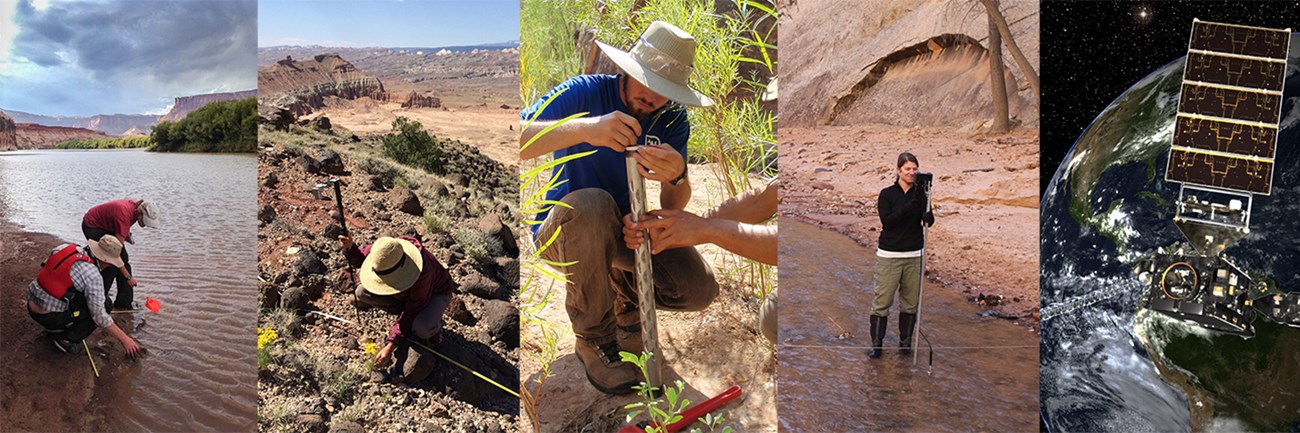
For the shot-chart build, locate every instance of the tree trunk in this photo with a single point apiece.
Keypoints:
(1021, 61)
(998, 79)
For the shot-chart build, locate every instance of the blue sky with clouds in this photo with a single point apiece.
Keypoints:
(79, 57)
(387, 23)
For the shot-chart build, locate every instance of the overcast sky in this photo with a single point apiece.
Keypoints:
(387, 23)
(79, 57)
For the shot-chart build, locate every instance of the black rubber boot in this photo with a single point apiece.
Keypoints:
(906, 324)
(878, 326)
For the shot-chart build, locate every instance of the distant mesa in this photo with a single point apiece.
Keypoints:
(185, 105)
(302, 86)
(34, 136)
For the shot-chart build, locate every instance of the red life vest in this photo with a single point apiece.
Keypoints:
(56, 274)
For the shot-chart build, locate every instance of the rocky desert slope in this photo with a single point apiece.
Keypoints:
(185, 105)
(317, 379)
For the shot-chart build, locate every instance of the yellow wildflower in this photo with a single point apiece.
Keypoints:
(265, 336)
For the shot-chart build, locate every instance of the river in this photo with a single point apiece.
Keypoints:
(200, 372)
(985, 372)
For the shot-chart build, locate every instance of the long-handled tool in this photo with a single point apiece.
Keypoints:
(691, 414)
(644, 275)
(338, 201)
(920, 294)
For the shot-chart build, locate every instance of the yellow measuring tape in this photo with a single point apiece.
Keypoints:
(470, 370)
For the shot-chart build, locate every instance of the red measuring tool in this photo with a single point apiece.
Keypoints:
(691, 414)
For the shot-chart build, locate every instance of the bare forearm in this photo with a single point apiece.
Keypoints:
(754, 242)
(750, 207)
(675, 197)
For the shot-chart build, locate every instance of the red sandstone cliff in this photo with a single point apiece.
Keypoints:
(302, 85)
(33, 136)
(185, 105)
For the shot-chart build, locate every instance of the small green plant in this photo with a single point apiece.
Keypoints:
(435, 223)
(477, 247)
(266, 338)
(665, 411)
(410, 144)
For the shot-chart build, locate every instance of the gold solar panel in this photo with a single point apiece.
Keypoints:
(1225, 135)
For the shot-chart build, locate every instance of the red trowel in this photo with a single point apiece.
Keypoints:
(691, 414)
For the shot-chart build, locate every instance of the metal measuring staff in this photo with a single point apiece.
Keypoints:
(644, 274)
(920, 288)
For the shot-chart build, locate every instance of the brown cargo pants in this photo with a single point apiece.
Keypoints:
(603, 281)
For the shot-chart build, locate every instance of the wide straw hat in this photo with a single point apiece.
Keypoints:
(392, 266)
(662, 60)
(149, 215)
(107, 249)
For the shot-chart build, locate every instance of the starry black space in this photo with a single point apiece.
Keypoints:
(1094, 51)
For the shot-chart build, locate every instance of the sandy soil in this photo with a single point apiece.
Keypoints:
(985, 240)
(42, 389)
(709, 351)
(486, 125)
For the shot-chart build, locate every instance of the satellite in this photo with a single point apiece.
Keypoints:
(1222, 155)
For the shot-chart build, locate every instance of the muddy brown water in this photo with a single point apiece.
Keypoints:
(985, 373)
(200, 373)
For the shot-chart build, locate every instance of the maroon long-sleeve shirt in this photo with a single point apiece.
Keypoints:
(434, 279)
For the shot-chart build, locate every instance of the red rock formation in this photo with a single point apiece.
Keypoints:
(33, 136)
(302, 86)
(8, 133)
(415, 100)
(185, 105)
(114, 124)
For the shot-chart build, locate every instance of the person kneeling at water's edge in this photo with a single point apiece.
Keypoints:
(640, 107)
(902, 209)
(67, 297)
(399, 276)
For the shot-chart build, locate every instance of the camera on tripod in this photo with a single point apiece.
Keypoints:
(924, 180)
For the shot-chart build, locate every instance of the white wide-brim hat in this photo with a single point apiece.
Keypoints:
(107, 249)
(662, 60)
(392, 266)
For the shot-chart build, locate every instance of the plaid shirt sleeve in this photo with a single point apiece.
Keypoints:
(86, 278)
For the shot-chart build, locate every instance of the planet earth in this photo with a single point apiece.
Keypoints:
(1114, 366)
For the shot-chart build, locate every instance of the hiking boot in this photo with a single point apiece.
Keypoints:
(605, 368)
(630, 339)
(67, 346)
(878, 327)
(906, 324)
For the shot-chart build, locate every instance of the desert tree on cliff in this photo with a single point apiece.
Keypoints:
(1004, 30)
(997, 77)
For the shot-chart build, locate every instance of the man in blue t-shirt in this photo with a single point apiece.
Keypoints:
(640, 107)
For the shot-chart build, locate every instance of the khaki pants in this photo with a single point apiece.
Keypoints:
(604, 278)
(426, 324)
(897, 275)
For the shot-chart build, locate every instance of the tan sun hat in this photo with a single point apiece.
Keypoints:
(148, 215)
(107, 249)
(392, 266)
(662, 60)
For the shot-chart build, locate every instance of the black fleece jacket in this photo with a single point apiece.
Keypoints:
(901, 214)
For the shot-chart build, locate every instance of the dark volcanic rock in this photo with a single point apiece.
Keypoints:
(309, 263)
(266, 213)
(405, 200)
(483, 287)
(310, 423)
(376, 184)
(508, 270)
(458, 311)
(501, 319)
(271, 181)
(491, 225)
(332, 231)
(347, 427)
(458, 179)
(321, 123)
(330, 162)
(308, 164)
(294, 299)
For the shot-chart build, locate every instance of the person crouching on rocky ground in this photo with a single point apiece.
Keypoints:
(902, 209)
(399, 276)
(67, 297)
(732, 225)
(115, 218)
(641, 106)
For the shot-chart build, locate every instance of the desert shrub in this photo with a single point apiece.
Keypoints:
(222, 126)
(477, 246)
(108, 143)
(435, 223)
(410, 144)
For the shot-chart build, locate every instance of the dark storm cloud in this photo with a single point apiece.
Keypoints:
(180, 46)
